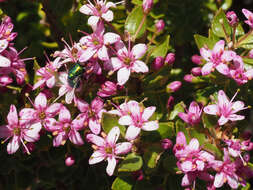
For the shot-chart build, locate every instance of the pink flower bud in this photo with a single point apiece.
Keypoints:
(138, 175)
(188, 78)
(170, 102)
(170, 58)
(159, 25)
(196, 71)
(197, 59)
(147, 5)
(107, 89)
(173, 86)
(5, 80)
(232, 18)
(246, 157)
(158, 63)
(69, 161)
(166, 144)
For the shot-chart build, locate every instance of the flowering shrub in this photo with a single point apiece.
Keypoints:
(108, 109)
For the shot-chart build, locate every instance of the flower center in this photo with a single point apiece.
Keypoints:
(108, 150)
(127, 60)
(17, 131)
(42, 115)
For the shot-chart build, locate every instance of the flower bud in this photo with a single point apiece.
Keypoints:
(188, 78)
(170, 102)
(166, 144)
(138, 175)
(170, 58)
(196, 71)
(159, 25)
(147, 5)
(196, 59)
(158, 63)
(107, 89)
(173, 86)
(69, 161)
(232, 18)
(246, 157)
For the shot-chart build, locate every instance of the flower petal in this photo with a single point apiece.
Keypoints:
(223, 69)
(87, 9)
(207, 68)
(181, 140)
(206, 53)
(150, 126)
(40, 102)
(113, 136)
(96, 157)
(132, 132)
(148, 112)
(233, 182)
(103, 54)
(75, 137)
(64, 115)
(97, 140)
(140, 67)
(123, 148)
(219, 46)
(12, 116)
(193, 145)
(94, 126)
(139, 50)
(211, 109)
(125, 120)
(108, 16)
(123, 75)
(111, 165)
(111, 38)
(53, 109)
(4, 62)
(93, 22)
(5, 131)
(32, 134)
(222, 120)
(219, 180)
(13, 145)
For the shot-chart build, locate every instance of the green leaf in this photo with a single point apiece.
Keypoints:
(247, 187)
(111, 120)
(198, 135)
(245, 41)
(239, 30)
(131, 163)
(177, 108)
(217, 26)
(166, 129)
(123, 183)
(202, 40)
(134, 20)
(248, 61)
(162, 49)
(226, 5)
(152, 155)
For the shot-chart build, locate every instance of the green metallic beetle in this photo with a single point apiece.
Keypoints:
(74, 75)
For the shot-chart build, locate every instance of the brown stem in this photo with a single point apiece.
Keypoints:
(140, 26)
(244, 37)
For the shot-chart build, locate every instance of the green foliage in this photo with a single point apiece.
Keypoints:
(131, 163)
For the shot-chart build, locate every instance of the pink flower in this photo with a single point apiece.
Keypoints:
(98, 11)
(69, 161)
(137, 119)
(193, 115)
(42, 111)
(238, 73)
(159, 25)
(107, 89)
(47, 74)
(128, 61)
(249, 15)
(96, 44)
(92, 113)
(65, 128)
(225, 109)
(226, 172)
(170, 58)
(173, 86)
(19, 133)
(232, 18)
(216, 58)
(107, 149)
(196, 71)
(166, 144)
(192, 161)
(147, 5)
(66, 89)
(196, 59)
(5, 80)
(158, 63)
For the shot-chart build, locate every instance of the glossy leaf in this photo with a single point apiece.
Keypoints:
(121, 183)
(109, 121)
(162, 49)
(133, 22)
(202, 41)
(177, 108)
(131, 163)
